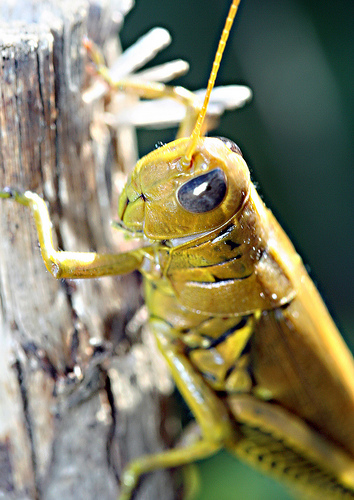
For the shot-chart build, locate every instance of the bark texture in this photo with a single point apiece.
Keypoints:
(79, 393)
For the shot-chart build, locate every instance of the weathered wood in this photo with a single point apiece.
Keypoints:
(77, 400)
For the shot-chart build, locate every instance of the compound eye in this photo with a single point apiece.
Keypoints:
(203, 193)
(231, 145)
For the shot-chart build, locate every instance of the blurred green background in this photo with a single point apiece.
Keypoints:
(296, 135)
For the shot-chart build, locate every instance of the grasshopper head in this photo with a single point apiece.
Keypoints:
(164, 199)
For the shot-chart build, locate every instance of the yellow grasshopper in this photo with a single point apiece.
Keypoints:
(248, 340)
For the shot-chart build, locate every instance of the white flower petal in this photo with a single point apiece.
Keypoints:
(163, 113)
(164, 72)
(141, 52)
(228, 96)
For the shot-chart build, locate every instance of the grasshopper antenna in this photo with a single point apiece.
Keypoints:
(185, 161)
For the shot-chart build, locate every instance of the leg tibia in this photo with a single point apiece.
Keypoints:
(71, 264)
(168, 459)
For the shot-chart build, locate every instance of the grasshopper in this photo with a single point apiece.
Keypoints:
(246, 335)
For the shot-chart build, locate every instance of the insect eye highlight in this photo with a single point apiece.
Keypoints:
(203, 193)
(231, 145)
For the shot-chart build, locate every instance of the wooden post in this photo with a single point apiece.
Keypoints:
(77, 398)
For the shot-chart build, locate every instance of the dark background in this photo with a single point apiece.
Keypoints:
(296, 135)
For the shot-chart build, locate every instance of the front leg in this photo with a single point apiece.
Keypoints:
(208, 410)
(63, 264)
